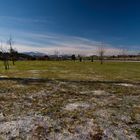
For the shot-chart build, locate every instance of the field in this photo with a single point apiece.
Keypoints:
(65, 100)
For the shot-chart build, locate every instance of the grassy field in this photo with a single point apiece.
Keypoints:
(70, 101)
(68, 70)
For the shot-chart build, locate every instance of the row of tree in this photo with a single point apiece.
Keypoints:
(101, 52)
(12, 55)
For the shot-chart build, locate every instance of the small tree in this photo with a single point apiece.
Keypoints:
(92, 58)
(5, 57)
(13, 55)
(56, 54)
(124, 53)
(13, 52)
(73, 57)
(101, 52)
(80, 58)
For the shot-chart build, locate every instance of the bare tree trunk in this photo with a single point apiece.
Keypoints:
(12, 52)
(6, 64)
(91, 58)
(5, 57)
(101, 59)
(101, 51)
(13, 61)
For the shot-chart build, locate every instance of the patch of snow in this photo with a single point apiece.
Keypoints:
(103, 114)
(100, 92)
(113, 132)
(22, 127)
(95, 92)
(125, 85)
(19, 86)
(3, 76)
(74, 106)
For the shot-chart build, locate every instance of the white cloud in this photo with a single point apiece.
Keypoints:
(48, 43)
(67, 48)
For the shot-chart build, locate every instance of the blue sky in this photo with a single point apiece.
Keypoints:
(72, 26)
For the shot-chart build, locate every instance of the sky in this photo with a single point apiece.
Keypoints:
(71, 26)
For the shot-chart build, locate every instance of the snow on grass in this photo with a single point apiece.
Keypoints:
(125, 85)
(76, 105)
(3, 76)
(95, 92)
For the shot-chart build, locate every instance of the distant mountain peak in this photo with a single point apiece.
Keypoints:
(34, 53)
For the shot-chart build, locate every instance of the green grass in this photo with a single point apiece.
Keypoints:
(68, 70)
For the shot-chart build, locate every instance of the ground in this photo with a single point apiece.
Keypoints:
(70, 101)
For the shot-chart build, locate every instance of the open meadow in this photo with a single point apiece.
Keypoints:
(67, 100)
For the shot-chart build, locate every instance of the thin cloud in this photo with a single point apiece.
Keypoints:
(64, 44)
(48, 43)
(25, 20)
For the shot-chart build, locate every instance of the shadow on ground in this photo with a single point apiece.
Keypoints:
(42, 80)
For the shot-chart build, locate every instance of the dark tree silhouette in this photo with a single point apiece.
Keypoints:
(73, 57)
(92, 58)
(13, 55)
(80, 58)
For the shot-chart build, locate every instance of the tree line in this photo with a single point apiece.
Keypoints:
(11, 54)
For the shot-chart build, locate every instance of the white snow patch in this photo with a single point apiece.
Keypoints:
(74, 106)
(20, 127)
(125, 85)
(99, 92)
(3, 76)
(19, 86)
(95, 92)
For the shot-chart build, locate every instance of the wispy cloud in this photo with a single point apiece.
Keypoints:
(49, 42)
(62, 43)
(25, 20)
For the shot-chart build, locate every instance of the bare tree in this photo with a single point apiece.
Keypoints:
(12, 51)
(13, 55)
(101, 52)
(124, 53)
(5, 56)
(56, 54)
(80, 58)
